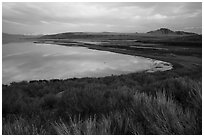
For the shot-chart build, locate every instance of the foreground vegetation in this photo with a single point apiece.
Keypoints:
(140, 103)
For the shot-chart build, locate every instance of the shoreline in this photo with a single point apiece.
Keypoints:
(178, 61)
(155, 65)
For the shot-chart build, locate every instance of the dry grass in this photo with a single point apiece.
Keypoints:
(95, 109)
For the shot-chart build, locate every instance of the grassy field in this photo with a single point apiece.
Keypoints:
(167, 102)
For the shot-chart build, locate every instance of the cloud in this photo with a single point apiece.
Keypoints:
(63, 17)
(157, 17)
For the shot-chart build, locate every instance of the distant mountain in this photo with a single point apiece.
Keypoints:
(161, 31)
(7, 38)
(165, 31)
(6, 35)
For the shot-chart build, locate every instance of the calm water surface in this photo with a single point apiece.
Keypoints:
(31, 61)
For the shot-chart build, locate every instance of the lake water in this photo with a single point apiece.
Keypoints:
(31, 61)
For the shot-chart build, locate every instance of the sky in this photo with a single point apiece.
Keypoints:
(50, 18)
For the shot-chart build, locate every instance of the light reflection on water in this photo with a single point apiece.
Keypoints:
(30, 61)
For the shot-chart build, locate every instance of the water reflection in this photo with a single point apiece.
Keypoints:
(30, 61)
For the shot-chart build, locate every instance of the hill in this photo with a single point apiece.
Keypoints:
(115, 35)
(165, 31)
